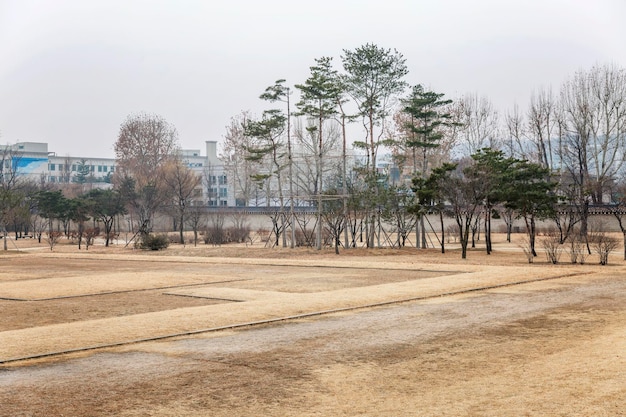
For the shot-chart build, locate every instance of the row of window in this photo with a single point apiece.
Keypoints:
(221, 179)
(214, 192)
(74, 168)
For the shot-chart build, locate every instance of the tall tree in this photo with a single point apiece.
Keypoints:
(319, 96)
(234, 150)
(478, 122)
(145, 145)
(542, 124)
(11, 193)
(494, 169)
(268, 135)
(618, 208)
(594, 107)
(374, 76)
(182, 183)
(515, 128)
(280, 92)
(427, 116)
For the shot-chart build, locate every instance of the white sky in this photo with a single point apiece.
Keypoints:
(71, 71)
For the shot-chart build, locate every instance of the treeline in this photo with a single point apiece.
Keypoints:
(570, 144)
(369, 151)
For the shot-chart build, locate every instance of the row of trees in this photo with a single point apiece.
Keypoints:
(151, 177)
(574, 140)
(570, 146)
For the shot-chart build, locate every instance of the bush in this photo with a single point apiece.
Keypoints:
(528, 251)
(154, 242)
(305, 237)
(577, 249)
(552, 247)
(239, 234)
(603, 246)
(214, 236)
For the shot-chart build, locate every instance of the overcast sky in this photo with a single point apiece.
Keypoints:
(71, 71)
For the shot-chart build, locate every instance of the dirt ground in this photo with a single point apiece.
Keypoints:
(245, 331)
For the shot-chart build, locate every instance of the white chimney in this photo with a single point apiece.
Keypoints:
(211, 153)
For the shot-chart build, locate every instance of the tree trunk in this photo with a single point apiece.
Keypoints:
(182, 228)
(488, 230)
(443, 237)
(464, 242)
(423, 228)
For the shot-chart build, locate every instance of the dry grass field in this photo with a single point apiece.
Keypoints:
(254, 331)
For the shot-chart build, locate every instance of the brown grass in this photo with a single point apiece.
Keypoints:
(552, 346)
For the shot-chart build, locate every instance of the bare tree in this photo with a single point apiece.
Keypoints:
(238, 168)
(65, 170)
(594, 105)
(478, 122)
(516, 135)
(145, 145)
(618, 208)
(542, 119)
(182, 183)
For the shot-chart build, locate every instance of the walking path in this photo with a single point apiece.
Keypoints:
(248, 306)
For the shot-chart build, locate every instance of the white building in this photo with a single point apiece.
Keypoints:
(34, 160)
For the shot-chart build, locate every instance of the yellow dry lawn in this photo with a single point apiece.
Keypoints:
(236, 330)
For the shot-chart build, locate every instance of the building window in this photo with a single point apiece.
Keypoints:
(104, 168)
(223, 180)
(223, 203)
(60, 167)
(223, 192)
(112, 168)
(99, 168)
(92, 168)
(52, 179)
(51, 167)
(73, 168)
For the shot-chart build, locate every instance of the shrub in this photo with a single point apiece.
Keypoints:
(90, 235)
(452, 233)
(174, 238)
(305, 237)
(239, 234)
(603, 246)
(154, 242)
(552, 247)
(527, 249)
(577, 249)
